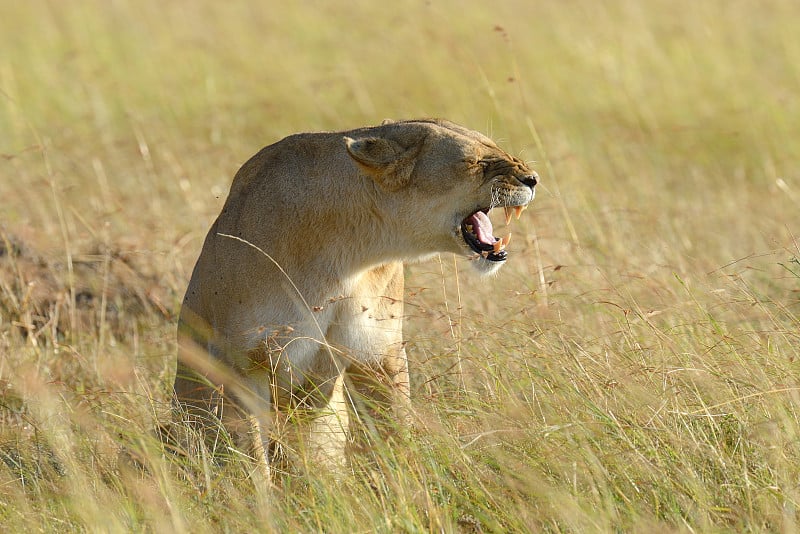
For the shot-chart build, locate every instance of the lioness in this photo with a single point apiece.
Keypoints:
(300, 279)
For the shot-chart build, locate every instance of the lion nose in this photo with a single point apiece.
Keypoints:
(531, 180)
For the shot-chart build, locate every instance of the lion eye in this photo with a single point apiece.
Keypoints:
(479, 166)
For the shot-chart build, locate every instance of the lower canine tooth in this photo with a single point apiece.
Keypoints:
(505, 240)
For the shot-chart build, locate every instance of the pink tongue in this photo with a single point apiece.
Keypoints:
(482, 227)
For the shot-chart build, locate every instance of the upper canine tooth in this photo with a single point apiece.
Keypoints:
(508, 214)
(518, 210)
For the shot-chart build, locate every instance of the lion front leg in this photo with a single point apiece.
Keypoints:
(382, 394)
(240, 407)
(257, 441)
(327, 436)
(248, 419)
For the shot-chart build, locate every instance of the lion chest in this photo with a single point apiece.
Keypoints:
(367, 329)
(358, 322)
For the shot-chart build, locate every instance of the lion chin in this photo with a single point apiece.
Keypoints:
(486, 267)
(299, 283)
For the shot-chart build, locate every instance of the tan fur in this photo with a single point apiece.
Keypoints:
(300, 279)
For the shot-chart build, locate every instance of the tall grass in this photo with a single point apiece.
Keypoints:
(633, 368)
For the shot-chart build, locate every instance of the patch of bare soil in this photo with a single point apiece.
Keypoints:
(48, 296)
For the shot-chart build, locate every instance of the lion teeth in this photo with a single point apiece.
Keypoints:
(508, 211)
(515, 211)
(501, 243)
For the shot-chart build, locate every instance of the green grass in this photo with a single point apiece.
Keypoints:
(635, 366)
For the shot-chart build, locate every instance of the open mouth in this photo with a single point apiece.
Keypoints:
(477, 231)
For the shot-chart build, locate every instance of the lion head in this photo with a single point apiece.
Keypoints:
(449, 178)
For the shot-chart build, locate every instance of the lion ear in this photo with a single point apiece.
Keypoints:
(373, 152)
(386, 161)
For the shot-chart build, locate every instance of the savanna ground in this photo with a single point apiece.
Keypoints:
(635, 366)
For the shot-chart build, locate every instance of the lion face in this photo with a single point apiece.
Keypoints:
(507, 184)
(448, 179)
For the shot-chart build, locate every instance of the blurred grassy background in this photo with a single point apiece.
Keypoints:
(634, 366)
